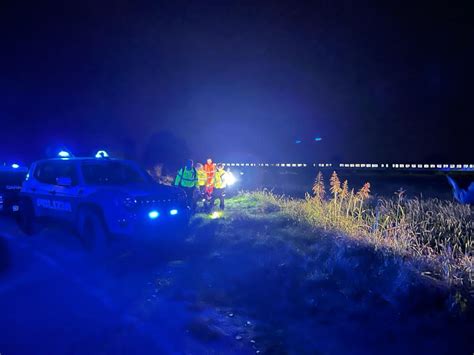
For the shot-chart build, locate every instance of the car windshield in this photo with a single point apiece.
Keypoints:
(111, 173)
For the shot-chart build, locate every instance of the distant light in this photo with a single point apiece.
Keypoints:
(298, 141)
(174, 212)
(15, 166)
(318, 139)
(101, 154)
(153, 214)
(64, 154)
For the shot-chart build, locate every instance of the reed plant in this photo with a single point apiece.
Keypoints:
(439, 232)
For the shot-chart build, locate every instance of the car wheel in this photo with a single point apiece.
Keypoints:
(92, 231)
(26, 217)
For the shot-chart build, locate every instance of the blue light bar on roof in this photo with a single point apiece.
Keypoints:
(101, 154)
(64, 154)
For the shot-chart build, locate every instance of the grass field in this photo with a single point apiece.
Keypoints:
(326, 266)
(435, 236)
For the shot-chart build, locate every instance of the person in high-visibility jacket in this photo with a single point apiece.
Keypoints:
(187, 180)
(210, 169)
(201, 179)
(219, 187)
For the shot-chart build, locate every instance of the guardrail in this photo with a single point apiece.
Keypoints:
(397, 166)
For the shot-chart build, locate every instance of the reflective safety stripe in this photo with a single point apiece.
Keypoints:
(186, 178)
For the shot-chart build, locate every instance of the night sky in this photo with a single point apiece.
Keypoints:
(238, 80)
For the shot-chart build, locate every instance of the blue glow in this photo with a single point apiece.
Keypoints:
(298, 141)
(101, 154)
(318, 139)
(15, 166)
(173, 212)
(64, 154)
(153, 214)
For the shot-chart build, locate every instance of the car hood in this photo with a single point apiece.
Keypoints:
(154, 190)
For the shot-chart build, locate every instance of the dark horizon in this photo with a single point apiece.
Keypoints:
(238, 80)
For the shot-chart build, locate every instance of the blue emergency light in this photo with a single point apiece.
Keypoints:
(15, 166)
(64, 154)
(101, 154)
(174, 212)
(153, 214)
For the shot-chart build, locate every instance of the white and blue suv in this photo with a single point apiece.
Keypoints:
(100, 197)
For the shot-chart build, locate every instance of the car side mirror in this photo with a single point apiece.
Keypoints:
(64, 181)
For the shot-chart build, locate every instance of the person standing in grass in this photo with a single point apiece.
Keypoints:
(219, 188)
(201, 182)
(187, 180)
(210, 169)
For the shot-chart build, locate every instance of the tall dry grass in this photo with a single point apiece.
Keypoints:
(438, 232)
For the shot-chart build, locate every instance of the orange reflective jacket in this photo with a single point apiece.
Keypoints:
(210, 170)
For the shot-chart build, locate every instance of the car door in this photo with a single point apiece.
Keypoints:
(66, 189)
(42, 190)
(50, 199)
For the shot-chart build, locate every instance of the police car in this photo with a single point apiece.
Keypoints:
(101, 197)
(11, 178)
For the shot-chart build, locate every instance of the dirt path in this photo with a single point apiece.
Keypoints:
(55, 299)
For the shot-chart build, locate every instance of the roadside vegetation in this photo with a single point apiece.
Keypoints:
(437, 235)
(337, 259)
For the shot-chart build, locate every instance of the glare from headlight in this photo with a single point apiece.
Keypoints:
(173, 212)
